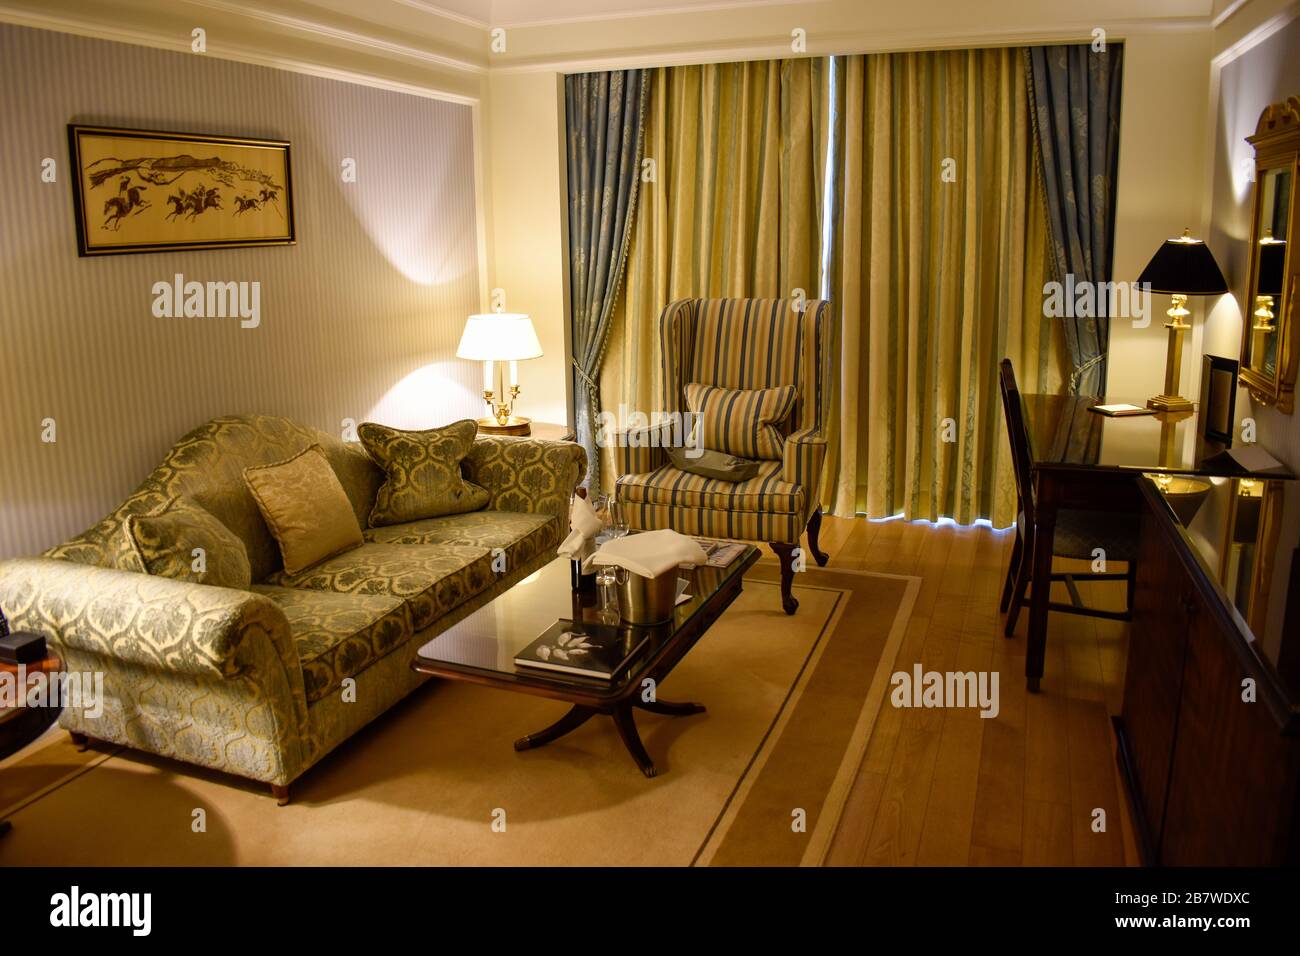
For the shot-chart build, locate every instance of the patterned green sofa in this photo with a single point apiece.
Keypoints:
(264, 683)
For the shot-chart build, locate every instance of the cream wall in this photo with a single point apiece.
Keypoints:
(1257, 62)
(527, 215)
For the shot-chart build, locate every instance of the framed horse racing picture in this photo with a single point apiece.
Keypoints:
(149, 191)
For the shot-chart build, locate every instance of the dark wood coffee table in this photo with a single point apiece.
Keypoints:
(20, 724)
(481, 650)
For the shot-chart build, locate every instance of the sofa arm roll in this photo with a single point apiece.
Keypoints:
(153, 622)
(802, 460)
(526, 474)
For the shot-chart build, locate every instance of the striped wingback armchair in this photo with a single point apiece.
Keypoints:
(737, 344)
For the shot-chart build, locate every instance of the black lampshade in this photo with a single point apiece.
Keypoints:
(1184, 266)
(1272, 257)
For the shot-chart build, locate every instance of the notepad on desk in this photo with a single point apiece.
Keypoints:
(1120, 410)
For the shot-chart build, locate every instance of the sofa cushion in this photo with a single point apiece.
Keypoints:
(521, 536)
(765, 492)
(339, 635)
(305, 507)
(207, 465)
(165, 543)
(430, 579)
(423, 472)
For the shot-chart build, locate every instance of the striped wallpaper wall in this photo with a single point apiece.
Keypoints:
(359, 320)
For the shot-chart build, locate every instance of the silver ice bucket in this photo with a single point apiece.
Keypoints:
(643, 600)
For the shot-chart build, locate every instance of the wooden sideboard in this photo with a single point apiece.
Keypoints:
(1214, 778)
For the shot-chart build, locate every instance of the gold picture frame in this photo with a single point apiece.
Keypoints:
(137, 190)
(1270, 340)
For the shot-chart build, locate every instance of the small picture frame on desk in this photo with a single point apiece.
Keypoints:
(1218, 399)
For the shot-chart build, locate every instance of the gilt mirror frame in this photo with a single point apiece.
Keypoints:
(1277, 148)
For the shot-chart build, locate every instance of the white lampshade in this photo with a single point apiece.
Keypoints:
(499, 337)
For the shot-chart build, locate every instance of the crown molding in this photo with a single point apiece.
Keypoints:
(1254, 37)
(461, 18)
(677, 11)
(313, 28)
(856, 42)
(169, 41)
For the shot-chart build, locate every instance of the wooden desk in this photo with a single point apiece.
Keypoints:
(1081, 459)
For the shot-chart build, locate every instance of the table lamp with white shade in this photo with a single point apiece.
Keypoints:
(495, 338)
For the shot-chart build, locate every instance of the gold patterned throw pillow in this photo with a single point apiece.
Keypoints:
(305, 507)
(741, 421)
(423, 472)
(185, 541)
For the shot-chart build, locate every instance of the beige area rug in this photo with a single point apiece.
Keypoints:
(791, 703)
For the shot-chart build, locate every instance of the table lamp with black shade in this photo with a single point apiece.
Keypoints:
(1180, 268)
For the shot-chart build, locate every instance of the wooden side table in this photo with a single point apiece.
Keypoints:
(20, 724)
(547, 431)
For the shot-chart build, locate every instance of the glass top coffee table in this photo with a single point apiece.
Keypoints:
(481, 649)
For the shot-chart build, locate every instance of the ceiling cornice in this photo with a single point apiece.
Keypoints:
(313, 28)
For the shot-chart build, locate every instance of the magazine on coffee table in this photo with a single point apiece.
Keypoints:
(720, 553)
(586, 649)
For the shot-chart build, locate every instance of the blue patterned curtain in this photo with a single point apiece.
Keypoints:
(1074, 100)
(605, 119)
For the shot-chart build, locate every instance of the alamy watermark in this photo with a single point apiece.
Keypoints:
(73, 690)
(946, 689)
(210, 300)
(1083, 299)
(632, 428)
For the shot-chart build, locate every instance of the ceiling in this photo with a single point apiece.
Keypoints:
(521, 12)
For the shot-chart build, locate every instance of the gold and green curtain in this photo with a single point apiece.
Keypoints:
(1074, 93)
(938, 259)
(730, 204)
(934, 259)
(604, 116)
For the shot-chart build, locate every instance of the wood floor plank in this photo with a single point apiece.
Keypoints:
(950, 809)
(945, 787)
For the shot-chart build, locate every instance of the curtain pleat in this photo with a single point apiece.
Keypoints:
(1074, 95)
(605, 119)
(933, 281)
(733, 208)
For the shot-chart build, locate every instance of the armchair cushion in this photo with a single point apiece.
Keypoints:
(745, 422)
(713, 464)
(766, 492)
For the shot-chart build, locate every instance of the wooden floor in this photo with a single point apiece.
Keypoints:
(947, 787)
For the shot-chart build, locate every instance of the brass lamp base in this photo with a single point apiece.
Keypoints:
(514, 425)
(1170, 403)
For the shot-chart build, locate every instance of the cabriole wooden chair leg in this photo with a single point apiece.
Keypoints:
(814, 529)
(281, 793)
(785, 556)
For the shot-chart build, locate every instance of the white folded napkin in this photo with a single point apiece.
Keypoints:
(584, 525)
(652, 553)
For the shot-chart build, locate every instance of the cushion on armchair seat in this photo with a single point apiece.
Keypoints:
(339, 635)
(430, 579)
(765, 492)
